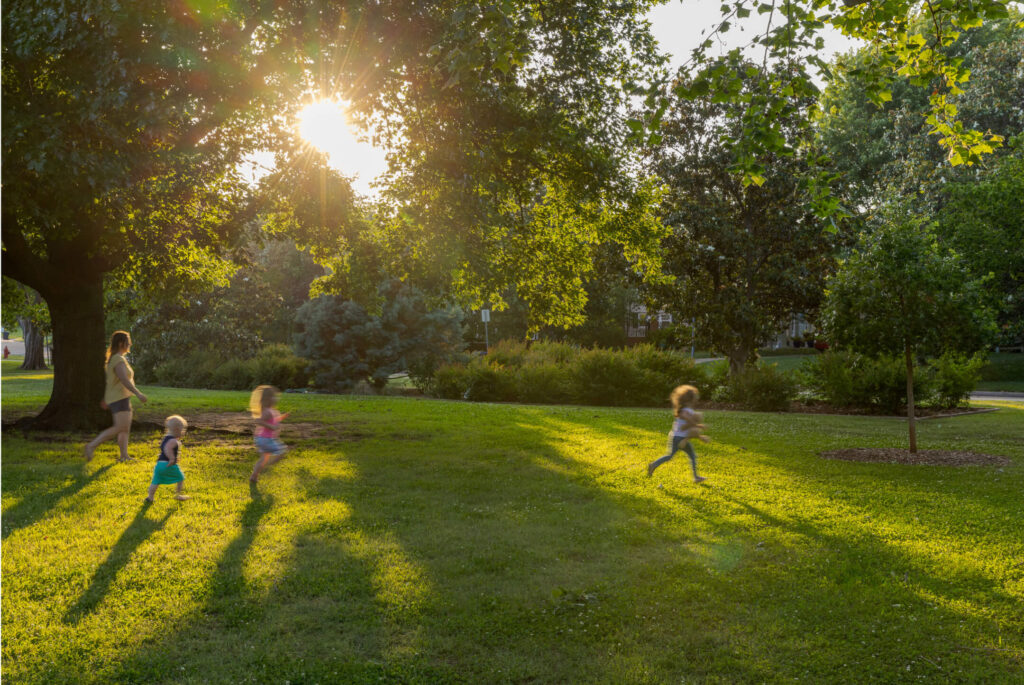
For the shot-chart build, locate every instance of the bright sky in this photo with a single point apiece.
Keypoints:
(677, 25)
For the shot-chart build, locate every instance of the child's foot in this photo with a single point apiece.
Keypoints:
(126, 460)
(650, 469)
(148, 500)
(87, 453)
(699, 479)
(182, 498)
(253, 478)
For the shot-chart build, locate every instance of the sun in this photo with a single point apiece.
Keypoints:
(321, 123)
(325, 126)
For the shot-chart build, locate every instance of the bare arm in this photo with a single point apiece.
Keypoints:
(122, 373)
(169, 451)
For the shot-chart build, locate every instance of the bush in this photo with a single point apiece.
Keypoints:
(848, 379)
(274, 365)
(489, 383)
(547, 384)
(451, 381)
(234, 374)
(761, 388)
(830, 377)
(605, 377)
(955, 376)
(278, 365)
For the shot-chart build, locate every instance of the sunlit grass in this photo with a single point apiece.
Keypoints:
(429, 541)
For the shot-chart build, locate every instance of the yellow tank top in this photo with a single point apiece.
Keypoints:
(115, 388)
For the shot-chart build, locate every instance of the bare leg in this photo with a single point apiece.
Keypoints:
(260, 465)
(180, 495)
(151, 492)
(122, 445)
(122, 424)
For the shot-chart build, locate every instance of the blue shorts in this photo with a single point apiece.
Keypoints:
(270, 445)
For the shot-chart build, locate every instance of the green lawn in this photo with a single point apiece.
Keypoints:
(410, 540)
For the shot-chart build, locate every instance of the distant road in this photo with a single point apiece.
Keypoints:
(997, 395)
(15, 346)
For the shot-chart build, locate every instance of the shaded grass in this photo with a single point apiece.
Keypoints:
(457, 542)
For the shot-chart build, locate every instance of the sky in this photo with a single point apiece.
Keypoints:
(677, 25)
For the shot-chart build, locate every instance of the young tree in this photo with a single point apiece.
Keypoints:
(902, 292)
(746, 258)
(347, 344)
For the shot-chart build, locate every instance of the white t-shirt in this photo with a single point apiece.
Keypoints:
(679, 428)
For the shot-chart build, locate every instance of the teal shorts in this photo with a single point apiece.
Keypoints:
(167, 474)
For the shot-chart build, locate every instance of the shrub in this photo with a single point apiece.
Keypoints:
(547, 384)
(605, 377)
(761, 388)
(234, 374)
(195, 370)
(278, 365)
(507, 353)
(848, 379)
(830, 377)
(955, 376)
(451, 381)
(490, 383)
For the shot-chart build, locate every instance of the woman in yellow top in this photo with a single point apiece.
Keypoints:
(117, 398)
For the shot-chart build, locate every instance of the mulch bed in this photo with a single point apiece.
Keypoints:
(898, 455)
(822, 408)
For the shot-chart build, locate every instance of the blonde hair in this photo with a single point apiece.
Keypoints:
(683, 396)
(118, 341)
(260, 399)
(175, 425)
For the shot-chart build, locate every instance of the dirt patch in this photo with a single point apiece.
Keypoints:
(898, 455)
(237, 423)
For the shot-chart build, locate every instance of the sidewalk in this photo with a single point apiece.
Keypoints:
(997, 395)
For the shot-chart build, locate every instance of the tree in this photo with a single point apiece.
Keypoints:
(746, 258)
(887, 152)
(347, 344)
(982, 218)
(889, 149)
(124, 126)
(901, 292)
(24, 307)
(898, 46)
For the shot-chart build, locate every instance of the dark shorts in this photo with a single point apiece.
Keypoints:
(120, 405)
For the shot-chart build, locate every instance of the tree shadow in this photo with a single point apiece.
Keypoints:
(425, 564)
(134, 535)
(35, 505)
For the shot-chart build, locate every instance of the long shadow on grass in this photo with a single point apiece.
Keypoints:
(507, 560)
(134, 535)
(37, 502)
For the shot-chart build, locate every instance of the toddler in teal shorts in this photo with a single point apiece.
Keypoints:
(167, 470)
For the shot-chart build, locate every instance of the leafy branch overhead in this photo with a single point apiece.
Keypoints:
(906, 40)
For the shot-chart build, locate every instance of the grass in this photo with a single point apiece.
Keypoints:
(430, 541)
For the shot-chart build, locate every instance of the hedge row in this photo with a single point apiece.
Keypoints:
(556, 373)
(273, 365)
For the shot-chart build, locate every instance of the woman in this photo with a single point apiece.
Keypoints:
(117, 398)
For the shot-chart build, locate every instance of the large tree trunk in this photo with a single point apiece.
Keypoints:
(76, 310)
(34, 358)
(908, 353)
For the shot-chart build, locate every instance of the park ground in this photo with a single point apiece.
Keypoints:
(411, 540)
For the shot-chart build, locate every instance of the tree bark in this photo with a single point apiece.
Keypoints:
(908, 354)
(76, 311)
(34, 358)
